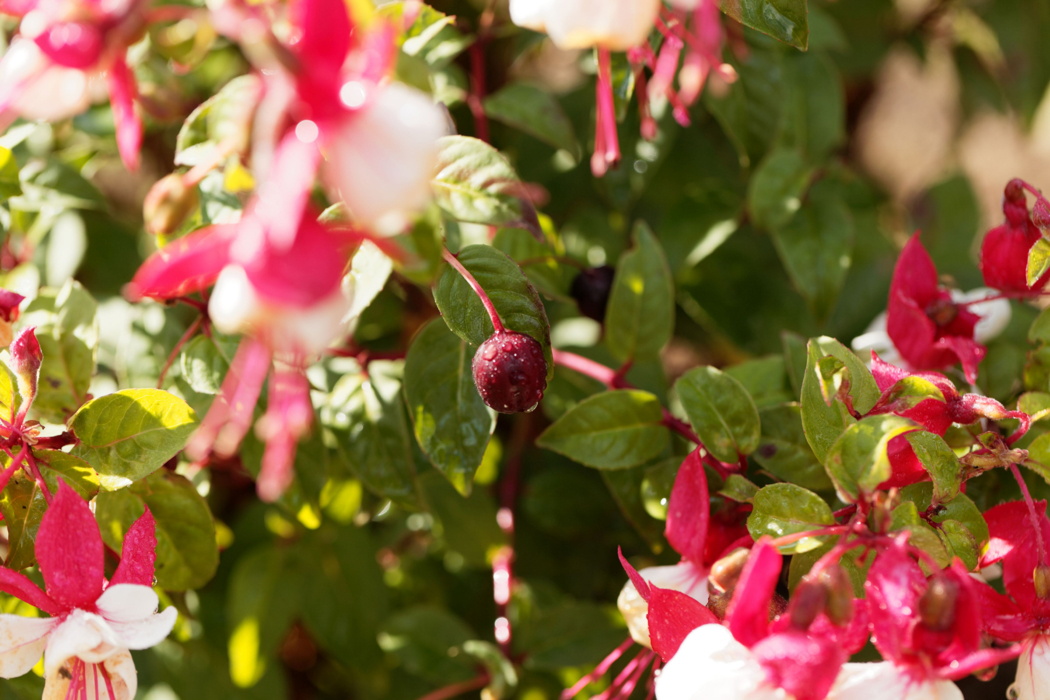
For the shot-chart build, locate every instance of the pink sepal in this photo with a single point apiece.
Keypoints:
(978, 660)
(689, 510)
(802, 664)
(895, 584)
(323, 36)
(281, 204)
(139, 552)
(1012, 541)
(69, 551)
(122, 92)
(640, 584)
(748, 614)
(72, 44)
(18, 585)
(186, 265)
(672, 616)
(1002, 618)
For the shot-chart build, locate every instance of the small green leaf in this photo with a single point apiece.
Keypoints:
(1038, 260)
(959, 542)
(187, 553)
(857, 462)
(1035, 403)
(611, 430)
(784, 452)
(775, 192)
(533, 110)
(517, 303)
(1040, 330)
(205, 361)
(474, 183)
(786, 20)
(961, 509)
(639, 320)
(906, 517)
(9, 184)
(130, 434)
(452, 423)
(765, 379)
(224, 116)
(721, 412)
(537, 260)
(738, 488)
(786, 509)
(23, 505)
(369, 271)
(940, 461)
(815, 108)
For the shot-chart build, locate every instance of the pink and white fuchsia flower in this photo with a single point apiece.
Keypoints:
(68, 53)
(93, 624)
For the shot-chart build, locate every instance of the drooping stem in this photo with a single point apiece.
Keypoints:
(451, 259)
(1033, 515)
(451, 691)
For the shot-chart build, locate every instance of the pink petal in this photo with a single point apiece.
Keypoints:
(69, 551)
(324, 28)
(805, 666)
(905, 465)
(689, 510)
(72, 44)
(1012, 541)
(985, 658)
(186, 265)
(282, 199)
(895, 584)
(138, 553)
(968, 350)
(288, 417)
(748, 614)
(9, 302)
(915, 275)
(122, 93)
(19, 585)
(672, 616)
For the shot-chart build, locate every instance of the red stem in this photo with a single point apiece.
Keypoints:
(1033, 515)
(497, 325)
(451, 691)
(178, 346)
(5, 477)
(38, 477)
(477, 89)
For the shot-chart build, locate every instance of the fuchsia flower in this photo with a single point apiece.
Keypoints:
(67, 54)
(93, 623)
(928, 328)
(1004, 252)
(9, 310)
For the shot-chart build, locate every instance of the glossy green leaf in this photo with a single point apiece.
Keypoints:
(226, 115)
(775, 192)
(765, 379)
(369, 271)
(129, 434)
(960, 509)
(611, 430)
(784, 452)
(738, 488)
(517, 303)
(533, 110)
(940, 461)
(787, 509)
(474, 183)
(23, 504)
(205, 361)
(452, 423)
(639, 320)
(626, 485)
(721, 412)
(546, 273)
(1038, 260)
(906, 517)
(959, 542)
(857, 461)
(785, 20)
(1040, 329)
(187, 553)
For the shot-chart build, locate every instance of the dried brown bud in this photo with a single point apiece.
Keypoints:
(726, 571)
(169, 203)
(839, 607)
(937, 605)
(1041, 578)
(808, 601)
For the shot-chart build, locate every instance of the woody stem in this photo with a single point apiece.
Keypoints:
(451, 259)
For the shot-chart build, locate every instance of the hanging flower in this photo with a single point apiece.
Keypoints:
(68, 54)
(1004, 252)
(93, 624)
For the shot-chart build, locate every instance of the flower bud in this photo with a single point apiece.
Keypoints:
(169, 203)
(1041, 578)
(26, 358)
(591, 289)
(726, 571)
(839, 607)
(808, 601)
(937, 604)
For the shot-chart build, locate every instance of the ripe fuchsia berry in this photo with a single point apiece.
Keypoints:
(510, 372)
(591, 290)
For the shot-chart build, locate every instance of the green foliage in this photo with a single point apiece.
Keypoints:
(721, 412)
(787, 509)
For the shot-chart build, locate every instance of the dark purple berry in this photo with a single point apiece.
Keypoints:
(591, 290)
(510, 372)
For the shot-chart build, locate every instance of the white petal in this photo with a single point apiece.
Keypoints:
(995, 315)
(711, 665)
(84, 635)
(143, 634)
(684, 577)
(616, 25)
(122, 679)
(309, 331)
(127, 602)
(884, 681)
(1033, 670)
(531, 14)
(382, 158)
(234, 305)
(22, 641)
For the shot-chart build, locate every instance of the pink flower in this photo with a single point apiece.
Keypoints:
(68, 53)
(927, 327)
(93, 623)
(1004, 252)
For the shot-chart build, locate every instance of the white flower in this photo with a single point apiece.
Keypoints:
(1033, 670)
(885, 681)
(616, 25)
(712, 665)
(531, 14)
(684, 577)
(41, 90)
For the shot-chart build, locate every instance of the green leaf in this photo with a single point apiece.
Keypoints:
(545, 272)
(906, 517)
(721, 412)
(795, 358)
(468, 524)
(626, 485)
(857, 461)
(784, 452)
(816, 247)
(187, 553)
(959, 542)
(1038, 260)
(9, 397)
(130, 434)
(785, 20)
(940, 461)
(517, 303)
(452, 423)
(474, 183)
(1035, 403)
(737, 488)
(205, 361)
(23, 505)
(534, 111)
(786, 509)
(831, 367)
(226, 116)
(432, 37)
(775, 192)
(815, 108)
(366, 414)
(9, 184)
(960, 509)
(369, 271)
(428, 642)
(765, 379)
(611, 430)
(1040, 330)
(639, 320)
(567, 635)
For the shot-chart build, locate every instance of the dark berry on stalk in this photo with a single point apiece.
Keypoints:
(510, 372)
(591, 290)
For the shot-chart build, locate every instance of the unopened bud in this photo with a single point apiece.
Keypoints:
(937, 605)
(1041, 578)
(839, 607)
(26, 358)
(169, 203)
(807, 603)
(726, 571)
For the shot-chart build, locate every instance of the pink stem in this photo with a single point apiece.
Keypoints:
(38, 477)
(451, 259)
(451, 691)
(1033, 515)
(5, 477)
(598, 671)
